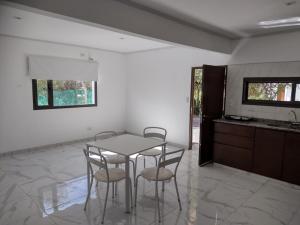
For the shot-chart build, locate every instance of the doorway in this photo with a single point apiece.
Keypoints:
(195, 106)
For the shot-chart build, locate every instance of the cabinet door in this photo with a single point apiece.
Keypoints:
(233, 156)
(268, 152)
(291, 162)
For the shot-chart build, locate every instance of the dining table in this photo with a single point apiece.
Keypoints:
(126, 145)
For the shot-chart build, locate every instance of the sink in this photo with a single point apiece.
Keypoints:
(274, 125)
(295, 125)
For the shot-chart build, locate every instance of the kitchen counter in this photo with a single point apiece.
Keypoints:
(262, 123)
(266, 147)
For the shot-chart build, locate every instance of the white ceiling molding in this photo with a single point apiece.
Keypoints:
(123, 17)
(22, 23)
(228, 17)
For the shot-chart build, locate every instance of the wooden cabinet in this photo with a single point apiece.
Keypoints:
(233, 156)
(291, 158)
(233, 145)
(268, 152)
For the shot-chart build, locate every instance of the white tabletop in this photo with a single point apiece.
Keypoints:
(126, 144)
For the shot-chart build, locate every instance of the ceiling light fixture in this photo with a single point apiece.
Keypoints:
(293, 21)
(290, 3)
(17, 17)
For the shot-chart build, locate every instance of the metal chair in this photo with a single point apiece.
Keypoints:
(152, 132)
(115, 159)
(103, 174)
(160, 173)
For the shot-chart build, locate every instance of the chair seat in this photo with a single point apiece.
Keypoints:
(115, 174)
(115, 159)
(151, 152)
(150, 174)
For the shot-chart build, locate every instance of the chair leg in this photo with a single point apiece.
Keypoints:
(113, 190)
(89, 193)
(116, 184)
(135, 189)
(179, 202)
(105, 203)
(157, 200)
(155, 160)
(144, 162)
(99, 169)
(131, 202)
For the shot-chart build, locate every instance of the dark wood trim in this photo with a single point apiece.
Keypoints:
(50, 98)
(292, 103)
(96, 94)
(50, 93)
(34, 94)
(293, 91)
(225, 86)
(192, 106)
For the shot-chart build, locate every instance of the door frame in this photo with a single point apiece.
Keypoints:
(192, 107)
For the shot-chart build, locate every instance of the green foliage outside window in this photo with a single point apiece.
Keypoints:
(42, 92)
(269, 91)
(66, 93)
(197, 91)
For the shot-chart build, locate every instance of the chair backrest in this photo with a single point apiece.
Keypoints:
(170, 158)
(104, 135)
(93, 158)
(155, 132)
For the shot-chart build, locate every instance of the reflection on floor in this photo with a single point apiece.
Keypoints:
(196, 129)
(49, 187)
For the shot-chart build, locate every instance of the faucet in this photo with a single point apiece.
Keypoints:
(295, 115)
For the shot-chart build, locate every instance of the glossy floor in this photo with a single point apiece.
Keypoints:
(49, 187)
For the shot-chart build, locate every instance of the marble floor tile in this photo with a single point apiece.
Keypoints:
(253, 216)
(21, 210)
(49, 187)
(275, 201)
(49, 193)
(295, 219)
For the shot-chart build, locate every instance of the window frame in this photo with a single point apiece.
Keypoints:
(292, 103)
(50, 97)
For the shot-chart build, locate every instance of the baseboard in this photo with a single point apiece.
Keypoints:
(42, 147)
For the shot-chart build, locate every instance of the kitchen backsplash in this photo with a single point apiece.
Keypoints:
(234, 89)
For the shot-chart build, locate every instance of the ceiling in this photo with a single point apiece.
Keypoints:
(232, 18)
(25, 24)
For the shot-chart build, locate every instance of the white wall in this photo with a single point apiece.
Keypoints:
(159, 88)
(280, 47)
(268, 56)
(135, 90)
(22, 127)
(236, 73)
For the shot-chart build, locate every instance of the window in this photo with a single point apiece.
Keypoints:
(53, 94)
(279, 91)
(297, 97)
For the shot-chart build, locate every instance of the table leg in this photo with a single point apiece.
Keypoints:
(164, 158)
(127, 185)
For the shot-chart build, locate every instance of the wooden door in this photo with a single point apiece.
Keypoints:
(213, 87)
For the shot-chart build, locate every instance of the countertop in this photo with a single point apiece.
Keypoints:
(262, 123)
